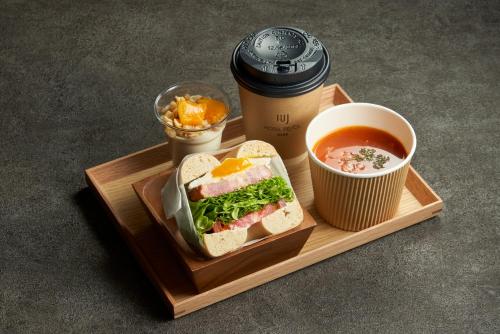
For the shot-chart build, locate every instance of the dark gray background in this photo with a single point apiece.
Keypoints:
(77, 84)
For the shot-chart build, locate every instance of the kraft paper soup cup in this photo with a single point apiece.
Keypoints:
(356, 201)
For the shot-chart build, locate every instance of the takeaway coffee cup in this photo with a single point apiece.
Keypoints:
(280, 72)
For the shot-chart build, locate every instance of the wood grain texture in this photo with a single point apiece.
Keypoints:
(112, 183)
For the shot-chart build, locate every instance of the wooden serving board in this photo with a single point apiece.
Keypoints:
(209, 273)
(112, 183)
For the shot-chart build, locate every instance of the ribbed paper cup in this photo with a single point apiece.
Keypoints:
(354, 202)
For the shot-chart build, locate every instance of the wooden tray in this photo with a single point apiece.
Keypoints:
(112, 183)
(209, 273)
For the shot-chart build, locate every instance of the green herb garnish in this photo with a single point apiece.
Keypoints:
(380, 160)
(232, 206)
(368, 154)
(365, 154)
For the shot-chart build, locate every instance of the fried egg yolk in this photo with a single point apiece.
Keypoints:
(231, 166)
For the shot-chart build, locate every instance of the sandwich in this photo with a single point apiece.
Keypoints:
(246, 196)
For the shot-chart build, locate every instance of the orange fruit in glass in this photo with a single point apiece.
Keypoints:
(191, 113)
(214, 110)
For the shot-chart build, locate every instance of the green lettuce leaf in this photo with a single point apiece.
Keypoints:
(232, 206)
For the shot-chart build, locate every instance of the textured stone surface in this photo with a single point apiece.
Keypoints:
(77, 83)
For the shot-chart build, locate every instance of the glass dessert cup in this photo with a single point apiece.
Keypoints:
(185, 139)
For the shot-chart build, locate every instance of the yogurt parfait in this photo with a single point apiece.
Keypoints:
(193, 116)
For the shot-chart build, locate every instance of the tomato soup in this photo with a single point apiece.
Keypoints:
(360, 150)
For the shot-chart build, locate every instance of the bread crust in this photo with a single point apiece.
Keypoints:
(197, 165)
(279, 221)
(220, 243)
(253, 149)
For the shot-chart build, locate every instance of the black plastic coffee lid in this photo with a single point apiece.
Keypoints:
(280, 62)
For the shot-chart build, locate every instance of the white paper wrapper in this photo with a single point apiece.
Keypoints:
(176, 204)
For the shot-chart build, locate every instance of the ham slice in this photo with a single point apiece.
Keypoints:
(231, 183)
(250, 218)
